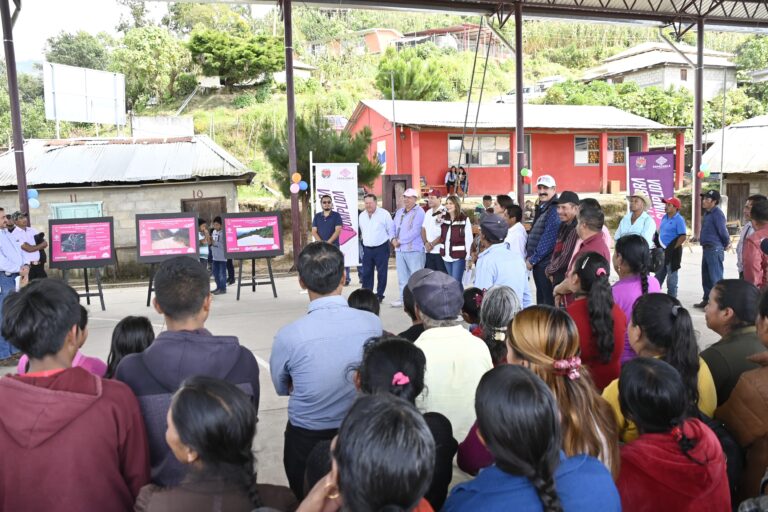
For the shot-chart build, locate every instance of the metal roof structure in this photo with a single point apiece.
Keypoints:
(118, 161)
(437, 114)
(653, 54)
(744, 153)
(680, 13)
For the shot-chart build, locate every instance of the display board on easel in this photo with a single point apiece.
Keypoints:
(252, 236)
(160, 236)
(82, 244)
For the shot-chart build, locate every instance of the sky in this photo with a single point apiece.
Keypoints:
(41, 19)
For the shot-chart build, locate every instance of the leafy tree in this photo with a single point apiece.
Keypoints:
(314, 134)
(415, 77)
(138, 15)
(184, 17)
(151, 59)
(79, 49)
(752, 55)
(236, 57)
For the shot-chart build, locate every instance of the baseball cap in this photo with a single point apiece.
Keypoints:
(434, 192)
(546, 180)
(568, 197)
(437, 294)
(711, 194)
(495, 226)
(673, 201)
(409, 192)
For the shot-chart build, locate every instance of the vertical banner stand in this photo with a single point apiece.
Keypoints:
(252, 282)
(151, 288)
(88, 294)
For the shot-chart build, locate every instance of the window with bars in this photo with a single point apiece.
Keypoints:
(587, 149)
(486, 151)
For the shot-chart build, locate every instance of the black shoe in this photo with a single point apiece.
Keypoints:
(12, 360)
(218, 292)
(701, 305)
(231, 282)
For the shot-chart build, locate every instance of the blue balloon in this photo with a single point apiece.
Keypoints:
(32, 193)
(34, 203)
(704, 167)
(303, 185)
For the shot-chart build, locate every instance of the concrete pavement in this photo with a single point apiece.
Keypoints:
(257, 316)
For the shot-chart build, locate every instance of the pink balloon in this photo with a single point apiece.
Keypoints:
(294, 188)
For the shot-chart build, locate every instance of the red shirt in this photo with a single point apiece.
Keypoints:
(602, 373)
(595, 243)
(755, 262)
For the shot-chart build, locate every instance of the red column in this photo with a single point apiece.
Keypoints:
(413, 135)
(679, 159)
(604, 162)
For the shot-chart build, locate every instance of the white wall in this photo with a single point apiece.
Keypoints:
(667, 76)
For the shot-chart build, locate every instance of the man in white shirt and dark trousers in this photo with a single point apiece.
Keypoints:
(376, 229)
(30, 249)
(11, 266)
(431, 232)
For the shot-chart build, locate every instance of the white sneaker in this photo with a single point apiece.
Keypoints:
(396, 303)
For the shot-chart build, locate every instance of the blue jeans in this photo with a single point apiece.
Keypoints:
(7, 285)
(220, 274)
(711, 268)
(375, 258)
(662, 274)
(455, 269)
(408, 263)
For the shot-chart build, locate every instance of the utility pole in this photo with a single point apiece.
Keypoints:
(13, 94)
(394, 121)
(291, 107)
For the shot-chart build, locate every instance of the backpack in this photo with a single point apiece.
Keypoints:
(734, 454)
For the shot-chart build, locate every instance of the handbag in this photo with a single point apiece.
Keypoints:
(657, 254)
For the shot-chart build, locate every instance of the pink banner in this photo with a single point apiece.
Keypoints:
(653, 174)
(252, 234)
(167, 237)
(80, 242)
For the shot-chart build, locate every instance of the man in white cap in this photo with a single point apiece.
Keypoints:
(542, 238)
(408, 244)
(637, 221)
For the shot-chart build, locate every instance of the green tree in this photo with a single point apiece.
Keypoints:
(184, 17)
(137, 15)
(752, 55)
(314, 134)
(236, 57)
(415, 77)
(79, 49)
(151, 59)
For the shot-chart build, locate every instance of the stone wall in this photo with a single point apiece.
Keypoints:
(123, 203)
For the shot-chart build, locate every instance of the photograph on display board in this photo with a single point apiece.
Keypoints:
(252, 235)
(81, 243)
(160, 236)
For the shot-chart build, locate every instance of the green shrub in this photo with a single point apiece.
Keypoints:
(243, 101)
(185, 84)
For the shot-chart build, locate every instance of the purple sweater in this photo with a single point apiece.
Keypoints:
(94, 365)
(625, 293)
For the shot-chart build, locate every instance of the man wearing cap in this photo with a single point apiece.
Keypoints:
(567, 209)
(376, 229)
(456, 360)
(672, 235)
(637, 221)
(746, 230)
(409, 247)
(30, 249)
(542, 238)
(714, 241)
(497, 265)
(11, 266)
(755, 262)
(431, 231)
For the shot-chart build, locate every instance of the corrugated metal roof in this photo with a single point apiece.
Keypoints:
(744, 148)
(502, 116)
(649, 55)
(87, 161)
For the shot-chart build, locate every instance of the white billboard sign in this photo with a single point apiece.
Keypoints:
(340, 182)
(83, 95)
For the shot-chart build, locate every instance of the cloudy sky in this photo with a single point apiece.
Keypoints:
(41, 19)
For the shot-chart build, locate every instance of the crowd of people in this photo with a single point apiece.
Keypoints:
(593, 396)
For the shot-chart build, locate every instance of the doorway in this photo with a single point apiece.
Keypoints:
(393, 186)
(206, 208)
(737, 197)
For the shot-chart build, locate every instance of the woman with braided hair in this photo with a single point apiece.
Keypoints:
(632, 261)
(677, 463)
(519, 422)
(600, 321)
(661, 327)
(211, 426)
